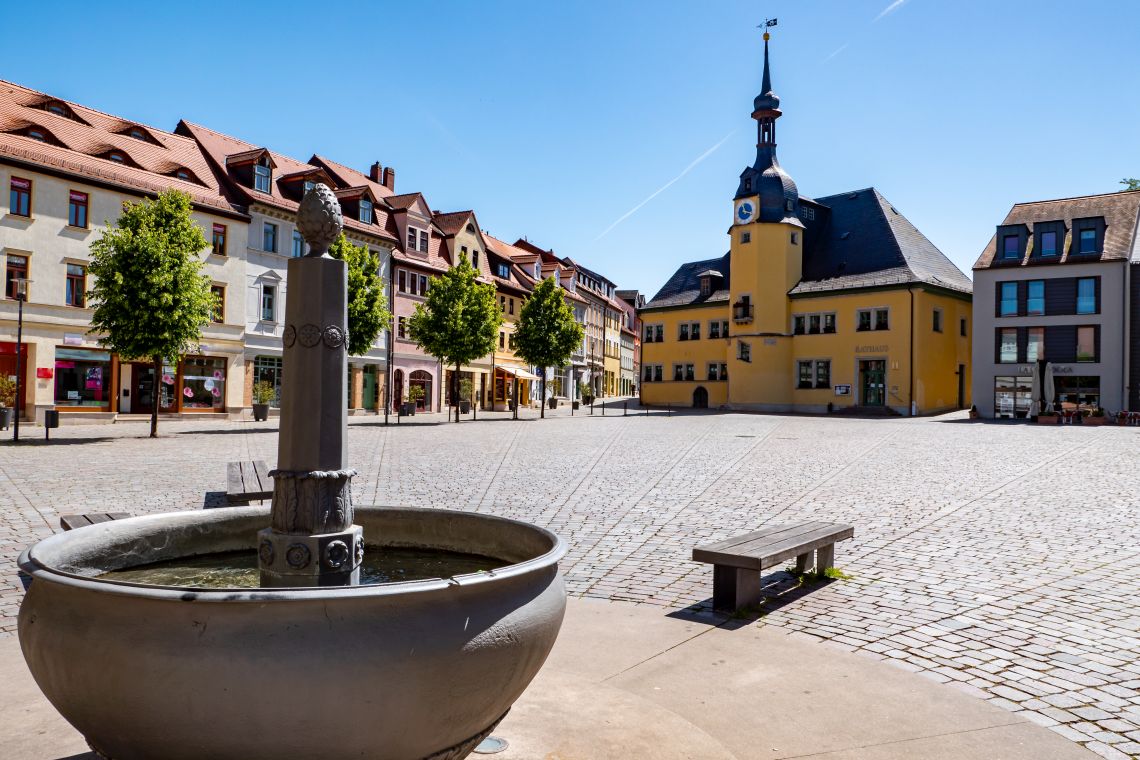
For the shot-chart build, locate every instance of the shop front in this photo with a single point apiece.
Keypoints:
(195, 385)
(8, 367)
(84, 379)
(511, 383)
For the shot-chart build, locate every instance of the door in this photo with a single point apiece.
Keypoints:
(397, 389)
(700, 398)
(961, 386)
(142, 388)
(370, 387)
(873, 382)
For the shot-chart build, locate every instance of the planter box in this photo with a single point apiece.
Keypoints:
(575, 404)
(1094, 421)
(552, 403)
(260, 412)
(465, 407)
(408, 409)
(1048, 419)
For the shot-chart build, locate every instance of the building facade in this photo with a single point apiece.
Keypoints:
(630, 301)
(1057, 284)
(819, 304)
(68, 169)
(269, 186)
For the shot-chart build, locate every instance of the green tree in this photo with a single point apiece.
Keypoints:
(547, 333)
(150, 297)
(459, 320)
(1130, 183)
(367, 306)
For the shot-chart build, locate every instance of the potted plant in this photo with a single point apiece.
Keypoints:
(263, 395)
(1095, 417)
(586, 392)
(465, 389)
(7, 400)
(973, 412)
(415, 396)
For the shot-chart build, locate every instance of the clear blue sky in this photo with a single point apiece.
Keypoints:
(552, 120)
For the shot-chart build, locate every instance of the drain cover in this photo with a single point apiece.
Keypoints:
(491, 745)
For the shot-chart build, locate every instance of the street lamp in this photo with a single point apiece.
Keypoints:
(21, 296)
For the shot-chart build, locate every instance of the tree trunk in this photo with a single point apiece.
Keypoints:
(455, 392)
(542, 396)
(156, 396)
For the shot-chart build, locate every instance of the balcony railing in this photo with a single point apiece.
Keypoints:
(742, 312)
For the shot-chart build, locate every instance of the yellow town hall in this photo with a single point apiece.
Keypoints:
(832, 302)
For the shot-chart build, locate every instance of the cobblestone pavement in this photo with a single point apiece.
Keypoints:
(999, 559)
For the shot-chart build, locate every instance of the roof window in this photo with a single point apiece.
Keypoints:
(261, 175)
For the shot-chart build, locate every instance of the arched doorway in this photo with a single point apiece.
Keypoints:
(421, 379)
(700, 398)
(397, 389)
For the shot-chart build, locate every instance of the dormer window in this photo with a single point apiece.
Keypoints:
(1049, 243)
(789, 205)
(1088, 241)
(706, 286)
(261, 175)
(36, 134)
(58, 109)
(309, 185)
(136, 133)
(117, 156)
(747, 184)
(1011, 247)
(365, 214)
(471, 229)
(504, 271)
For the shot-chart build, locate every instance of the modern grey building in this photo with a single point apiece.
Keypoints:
(1059, 283)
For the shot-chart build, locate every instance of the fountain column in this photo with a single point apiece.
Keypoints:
(312, 540)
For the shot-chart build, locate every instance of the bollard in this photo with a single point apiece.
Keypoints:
(647, 411)
(669, 409)
(603, 408)
(591, 407)
(625, 409)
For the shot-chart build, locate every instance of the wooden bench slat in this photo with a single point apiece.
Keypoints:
(729, 543)
(756, 553)
(248, 481)
(787, 551)
(71, 522)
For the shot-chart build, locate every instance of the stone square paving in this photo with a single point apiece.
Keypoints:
(999, 559)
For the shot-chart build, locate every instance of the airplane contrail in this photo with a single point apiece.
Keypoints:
(889, 9)
(666, 186)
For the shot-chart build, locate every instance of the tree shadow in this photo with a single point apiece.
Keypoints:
(225, 431)
(56, 441)
(84, 756)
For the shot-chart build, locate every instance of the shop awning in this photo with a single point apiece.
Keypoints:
(518, 372)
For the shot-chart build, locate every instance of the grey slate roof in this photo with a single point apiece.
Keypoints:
(1120, 211)
(857, 240)
(865, 242)
(684, 287)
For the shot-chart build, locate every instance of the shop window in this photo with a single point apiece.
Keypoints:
(298, 244)
(219, 240)
(1007, 345)
(75, 293)
(269, 369)
(219, 294)
(269, 303)
(1086, 295)
(77, 209)
(1086, 344)
(1012, 396)
(17, 270)
(82, 378)
(20, 198)
(203, 384)
(1077, 393)
(1035, 297)
(1008, 299)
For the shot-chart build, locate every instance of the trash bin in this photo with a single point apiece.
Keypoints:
(51, 418)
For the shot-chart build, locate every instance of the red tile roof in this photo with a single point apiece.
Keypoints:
(452, 223)
(91, 134)
(219, 147)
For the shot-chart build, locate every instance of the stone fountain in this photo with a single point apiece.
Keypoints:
(305, 660)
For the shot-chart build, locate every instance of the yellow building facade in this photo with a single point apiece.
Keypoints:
(819, 305)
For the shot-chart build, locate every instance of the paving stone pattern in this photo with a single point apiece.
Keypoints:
(999, 559)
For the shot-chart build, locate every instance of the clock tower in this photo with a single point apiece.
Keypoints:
(766, 260)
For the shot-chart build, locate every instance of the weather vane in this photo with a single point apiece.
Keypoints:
(768, 23)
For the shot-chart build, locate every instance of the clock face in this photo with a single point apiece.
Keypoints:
(745, 211)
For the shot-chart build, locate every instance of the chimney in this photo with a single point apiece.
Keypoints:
(389, 178)
(374, 172)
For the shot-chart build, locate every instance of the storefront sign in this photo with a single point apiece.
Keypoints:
(44, 373)
(73, 395)
(769, 341)
(843, 390)
(871, 349)
(71, 339)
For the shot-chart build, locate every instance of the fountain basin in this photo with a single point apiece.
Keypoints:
(399, 671)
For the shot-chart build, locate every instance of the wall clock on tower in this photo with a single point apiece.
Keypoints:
(745, 211)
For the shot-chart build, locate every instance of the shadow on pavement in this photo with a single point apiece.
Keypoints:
(777, 590)
(214, 499)
(55, 441)
(224, 431)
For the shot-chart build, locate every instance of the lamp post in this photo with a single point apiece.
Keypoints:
(21, 296)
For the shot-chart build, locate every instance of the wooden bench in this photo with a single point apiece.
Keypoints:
(247, 482)
(738, 562)
(71, 522)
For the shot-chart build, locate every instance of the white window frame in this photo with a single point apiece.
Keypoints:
(261, 302)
